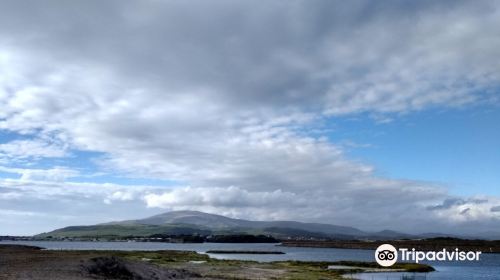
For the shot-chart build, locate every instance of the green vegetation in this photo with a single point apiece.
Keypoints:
(241, 238)
(120, 231)
(409, 267)
(236, 269)
(163, 257)
(153, 233)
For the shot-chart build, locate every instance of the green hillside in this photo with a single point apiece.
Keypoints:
(199, 223)
(103, 231)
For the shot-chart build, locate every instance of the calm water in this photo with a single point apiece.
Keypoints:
(487, 268)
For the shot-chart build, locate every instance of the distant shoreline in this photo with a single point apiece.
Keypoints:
(433, 244)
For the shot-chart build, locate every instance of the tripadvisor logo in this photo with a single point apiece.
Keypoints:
(387, 255)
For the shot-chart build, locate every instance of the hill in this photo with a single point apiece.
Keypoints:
(194, 222)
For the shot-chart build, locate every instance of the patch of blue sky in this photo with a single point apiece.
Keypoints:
(457, 147)
(8, 175)
(79, 160)
(7, 136)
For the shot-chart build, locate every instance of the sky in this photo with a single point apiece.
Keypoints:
(372, 114)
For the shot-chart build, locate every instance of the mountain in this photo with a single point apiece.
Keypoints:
(219, 222)
(188, 217)
(194, 222)
(390, 234)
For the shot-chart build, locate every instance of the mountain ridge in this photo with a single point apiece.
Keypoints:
(218, 221)
(196, 222)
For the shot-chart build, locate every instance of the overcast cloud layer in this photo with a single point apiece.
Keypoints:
(226, 101)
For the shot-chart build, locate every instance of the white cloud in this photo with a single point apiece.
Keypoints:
(468, 210)
(231, 197)
(53, 174)
(26, 149)
(10, 195)
(166, 90)
(119, 196)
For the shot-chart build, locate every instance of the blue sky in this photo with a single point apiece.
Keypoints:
(317, 111)
(456, 147)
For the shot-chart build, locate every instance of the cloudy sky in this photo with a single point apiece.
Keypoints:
(373, 114)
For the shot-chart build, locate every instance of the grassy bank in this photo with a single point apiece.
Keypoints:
(236, 269)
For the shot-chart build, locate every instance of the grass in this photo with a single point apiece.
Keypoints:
(238, 269)
(116, 231)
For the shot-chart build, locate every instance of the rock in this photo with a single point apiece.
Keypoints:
(117, 268)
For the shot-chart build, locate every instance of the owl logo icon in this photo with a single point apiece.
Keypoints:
(386, 255)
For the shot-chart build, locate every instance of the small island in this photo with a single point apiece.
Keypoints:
(245, 252)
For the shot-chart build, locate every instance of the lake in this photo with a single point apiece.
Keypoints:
(487, 268)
